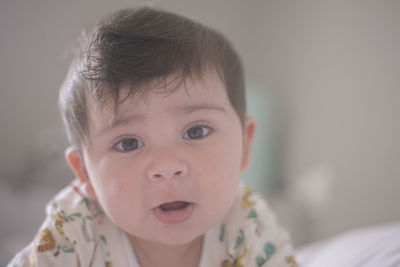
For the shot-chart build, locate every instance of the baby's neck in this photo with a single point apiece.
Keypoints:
(150, 254)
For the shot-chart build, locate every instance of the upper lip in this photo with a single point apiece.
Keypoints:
(171, 201)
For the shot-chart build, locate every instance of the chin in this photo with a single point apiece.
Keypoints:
(177, 239)
(180, 234)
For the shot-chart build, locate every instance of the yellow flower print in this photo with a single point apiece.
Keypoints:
(60, 220)
(246, 203)
(237, 262)
(46, 241)
(292, 261)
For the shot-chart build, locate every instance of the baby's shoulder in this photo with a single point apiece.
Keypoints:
(252, 234)
(72, 231)
(71, 204)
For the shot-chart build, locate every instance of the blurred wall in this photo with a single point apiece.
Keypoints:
(331, 68)
(338, 70)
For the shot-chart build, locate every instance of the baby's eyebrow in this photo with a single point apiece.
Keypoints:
(123, 120)
(193, 108)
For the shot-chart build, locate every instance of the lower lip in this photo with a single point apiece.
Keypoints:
(174, 216)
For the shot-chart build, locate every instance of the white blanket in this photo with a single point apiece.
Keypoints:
(370, 247)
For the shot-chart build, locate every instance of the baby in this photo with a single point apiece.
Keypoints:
(154, 108)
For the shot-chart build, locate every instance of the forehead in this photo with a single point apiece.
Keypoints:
(163, 95)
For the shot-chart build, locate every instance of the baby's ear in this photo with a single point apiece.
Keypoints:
(77, 165)
(249, 133)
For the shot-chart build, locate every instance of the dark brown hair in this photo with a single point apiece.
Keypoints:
(137, 46)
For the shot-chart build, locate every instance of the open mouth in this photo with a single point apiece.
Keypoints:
(176, 205)
(175, 212)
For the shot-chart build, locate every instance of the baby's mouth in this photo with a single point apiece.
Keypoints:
(175, 212)
(176, 205)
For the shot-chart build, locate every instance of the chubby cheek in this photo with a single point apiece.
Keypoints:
(113, 189)
(220, 177)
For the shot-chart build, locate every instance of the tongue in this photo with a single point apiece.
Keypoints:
(174, 205)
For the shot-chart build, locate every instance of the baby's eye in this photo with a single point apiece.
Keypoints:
(128, 144)
(197, 132)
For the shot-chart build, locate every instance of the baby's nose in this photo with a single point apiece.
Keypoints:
(159, 175)
(167, 166)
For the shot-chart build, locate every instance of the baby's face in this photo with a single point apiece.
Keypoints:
(165, 168)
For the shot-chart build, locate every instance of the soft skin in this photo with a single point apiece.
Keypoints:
(188, 145)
